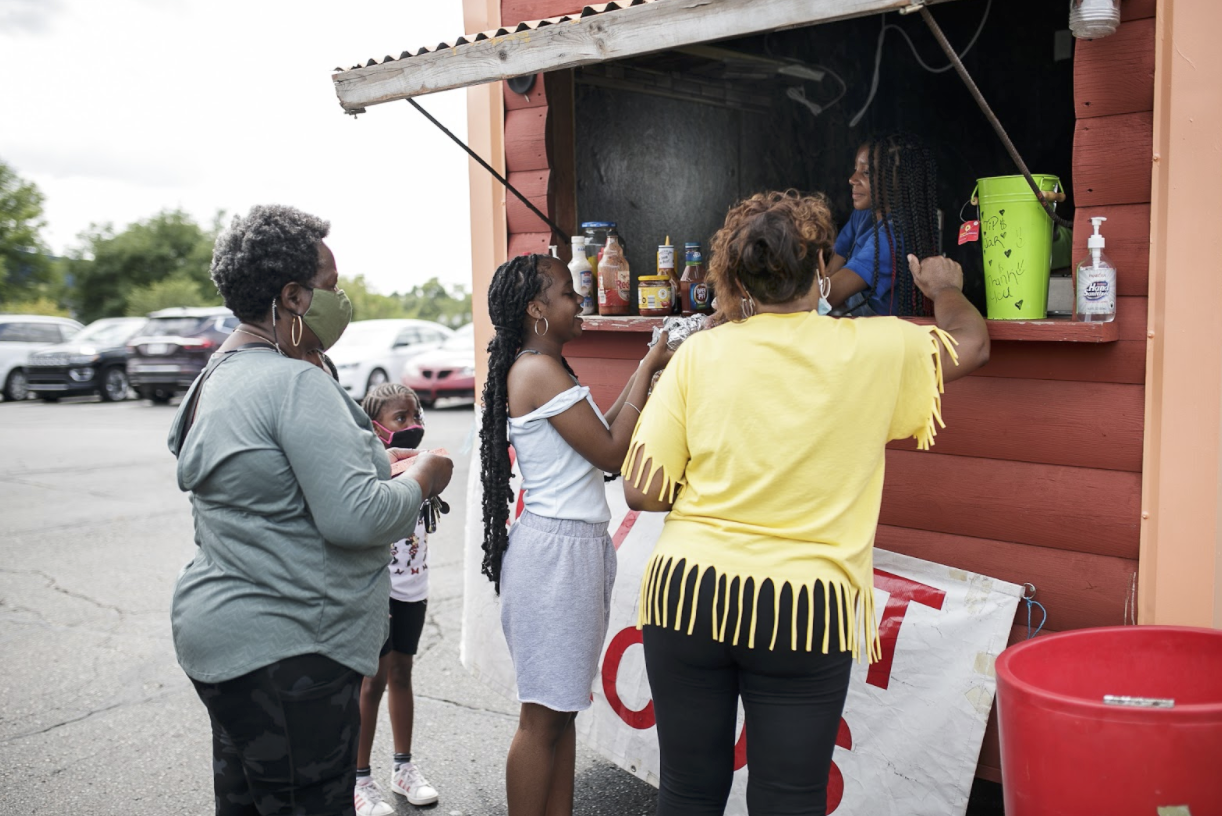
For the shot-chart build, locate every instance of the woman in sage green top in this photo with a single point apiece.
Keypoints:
(283, 607)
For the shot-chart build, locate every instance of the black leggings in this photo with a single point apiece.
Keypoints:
(284, 738)
(792, 702)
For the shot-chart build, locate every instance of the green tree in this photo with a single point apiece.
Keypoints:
(36, 306)
(428, 301)
(25, 268)
(432, 301)
(176, 290)
(368, 305)
(109, 267)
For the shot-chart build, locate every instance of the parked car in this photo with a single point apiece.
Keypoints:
(94, 361)
(372, 352)
(447, 371)
(173, 347)
(22, 334)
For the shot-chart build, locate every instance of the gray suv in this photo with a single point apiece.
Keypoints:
(173, 347)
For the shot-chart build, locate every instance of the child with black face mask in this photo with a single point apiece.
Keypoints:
(399, 423)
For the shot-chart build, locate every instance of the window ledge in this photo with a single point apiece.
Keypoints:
(1051, 330)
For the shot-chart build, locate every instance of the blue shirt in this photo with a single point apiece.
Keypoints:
(855, 243)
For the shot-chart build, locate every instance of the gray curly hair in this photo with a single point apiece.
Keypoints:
(260, 253)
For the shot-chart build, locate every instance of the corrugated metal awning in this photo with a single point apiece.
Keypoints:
(608, 31)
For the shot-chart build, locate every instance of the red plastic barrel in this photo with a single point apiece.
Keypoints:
(1065, 751)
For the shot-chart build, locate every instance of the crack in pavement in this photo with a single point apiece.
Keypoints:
(477, 709)
(54, 585)
(87, 715)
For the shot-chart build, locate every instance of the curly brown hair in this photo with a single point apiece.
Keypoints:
(769, 248)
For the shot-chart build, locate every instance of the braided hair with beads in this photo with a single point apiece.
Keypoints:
(903, 191)
(515, 284)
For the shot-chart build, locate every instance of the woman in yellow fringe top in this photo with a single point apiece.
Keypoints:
(765, 439)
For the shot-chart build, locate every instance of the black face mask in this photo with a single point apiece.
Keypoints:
(406, 438)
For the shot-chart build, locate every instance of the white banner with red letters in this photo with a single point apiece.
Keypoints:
(913, 722)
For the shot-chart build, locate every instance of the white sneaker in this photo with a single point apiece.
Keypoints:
(370, 801)
(408, 781)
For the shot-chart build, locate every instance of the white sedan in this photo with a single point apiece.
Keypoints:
(372, 352)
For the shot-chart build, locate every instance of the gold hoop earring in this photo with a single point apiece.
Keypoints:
(295, 330)
(748, 307)
(546, 327)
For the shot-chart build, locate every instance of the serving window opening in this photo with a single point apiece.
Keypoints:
(666, 143)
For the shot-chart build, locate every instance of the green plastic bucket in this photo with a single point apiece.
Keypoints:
(1016, 236)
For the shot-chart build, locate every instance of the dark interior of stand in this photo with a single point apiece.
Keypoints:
(665, 143)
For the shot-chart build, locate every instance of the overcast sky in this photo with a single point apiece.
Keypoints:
(118, 109)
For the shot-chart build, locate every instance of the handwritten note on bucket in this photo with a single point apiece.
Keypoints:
(1016, 245)
(1003, 270)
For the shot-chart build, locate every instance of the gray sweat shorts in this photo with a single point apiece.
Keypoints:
(556, 581)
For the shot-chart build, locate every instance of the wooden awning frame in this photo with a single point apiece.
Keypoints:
(583, 40)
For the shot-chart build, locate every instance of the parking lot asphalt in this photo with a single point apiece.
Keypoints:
(95, 715)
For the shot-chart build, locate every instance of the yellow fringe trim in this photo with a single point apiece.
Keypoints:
(857, 627)
(938, 340)
(647, 468)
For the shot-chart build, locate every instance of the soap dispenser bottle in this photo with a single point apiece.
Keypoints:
(1096, 282)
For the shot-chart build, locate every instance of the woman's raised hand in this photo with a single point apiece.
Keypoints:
(657, 357)
(935, 273)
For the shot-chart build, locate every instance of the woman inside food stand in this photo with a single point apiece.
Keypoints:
(765, 439)
(894, 186)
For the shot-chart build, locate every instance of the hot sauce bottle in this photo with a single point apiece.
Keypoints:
(694, 289)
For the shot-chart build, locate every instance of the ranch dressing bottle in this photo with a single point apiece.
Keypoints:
(583, 276)
(1096, 282)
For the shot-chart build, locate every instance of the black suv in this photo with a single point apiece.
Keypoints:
(92, 362)
(173, 347)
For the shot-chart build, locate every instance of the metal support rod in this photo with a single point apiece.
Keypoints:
(988, 114)
(556, 230)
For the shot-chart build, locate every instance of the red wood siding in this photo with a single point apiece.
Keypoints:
(1042, 422)
(1112, 158)
(533, 185)
(1115, 74)
(515, 11)
(1063, 516)
(1121, 362)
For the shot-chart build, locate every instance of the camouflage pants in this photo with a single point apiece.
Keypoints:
(284, 738)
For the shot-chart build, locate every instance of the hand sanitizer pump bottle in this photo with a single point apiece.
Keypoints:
(1096, 282)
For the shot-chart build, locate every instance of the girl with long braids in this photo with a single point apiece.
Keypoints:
(895, 213)
(555, 568)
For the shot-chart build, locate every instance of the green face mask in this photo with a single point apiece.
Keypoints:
(329, 314)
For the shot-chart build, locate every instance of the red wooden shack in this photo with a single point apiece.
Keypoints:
(1068, 462)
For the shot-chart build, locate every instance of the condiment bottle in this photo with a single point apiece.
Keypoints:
(666, 266)
(583, 275)
(1096, 282)
(614, 278)
(655, 297)
(694, 290)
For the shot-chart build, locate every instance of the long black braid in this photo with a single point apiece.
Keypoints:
(903, 191)
(515, 284)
